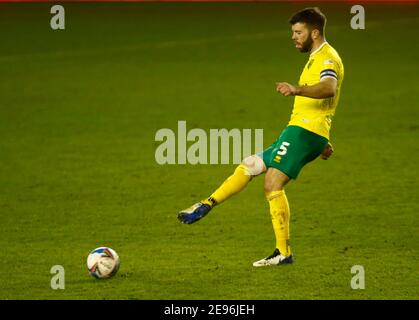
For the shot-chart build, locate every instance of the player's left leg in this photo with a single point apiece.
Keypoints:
(249, 168)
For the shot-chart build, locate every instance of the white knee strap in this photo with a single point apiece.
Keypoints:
(254, 165)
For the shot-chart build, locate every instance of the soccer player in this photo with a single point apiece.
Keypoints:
(304, 139)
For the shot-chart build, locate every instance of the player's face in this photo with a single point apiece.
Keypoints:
(301, 36)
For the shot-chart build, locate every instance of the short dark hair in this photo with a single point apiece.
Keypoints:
(311, 16)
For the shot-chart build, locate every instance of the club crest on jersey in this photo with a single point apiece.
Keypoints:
(310, 63)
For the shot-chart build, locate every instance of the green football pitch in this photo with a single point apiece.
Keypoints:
(79, 110)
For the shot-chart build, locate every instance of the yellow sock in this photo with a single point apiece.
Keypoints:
(234, 184)
(280, 214)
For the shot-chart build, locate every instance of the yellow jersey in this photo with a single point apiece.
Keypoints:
(311, 114)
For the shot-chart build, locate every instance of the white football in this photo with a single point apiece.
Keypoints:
(103, 263)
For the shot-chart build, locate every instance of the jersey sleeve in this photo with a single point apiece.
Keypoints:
(329, 69)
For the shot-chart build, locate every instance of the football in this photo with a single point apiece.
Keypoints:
(103, 262)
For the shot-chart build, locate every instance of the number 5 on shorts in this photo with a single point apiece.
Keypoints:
(283, 148)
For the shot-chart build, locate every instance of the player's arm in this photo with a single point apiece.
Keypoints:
(326, 88)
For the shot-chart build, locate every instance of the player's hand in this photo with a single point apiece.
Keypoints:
(286, 89)
(327, 151)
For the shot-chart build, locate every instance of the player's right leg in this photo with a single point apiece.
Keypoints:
(250, 167)
(294, 148)
(275, 181)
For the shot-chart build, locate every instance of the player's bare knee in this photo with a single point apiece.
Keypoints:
(274, 183)
(270, 186)
(254, 165)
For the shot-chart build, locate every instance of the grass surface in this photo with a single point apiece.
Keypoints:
(78, 113)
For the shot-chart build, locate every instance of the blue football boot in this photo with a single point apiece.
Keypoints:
(194, 213)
